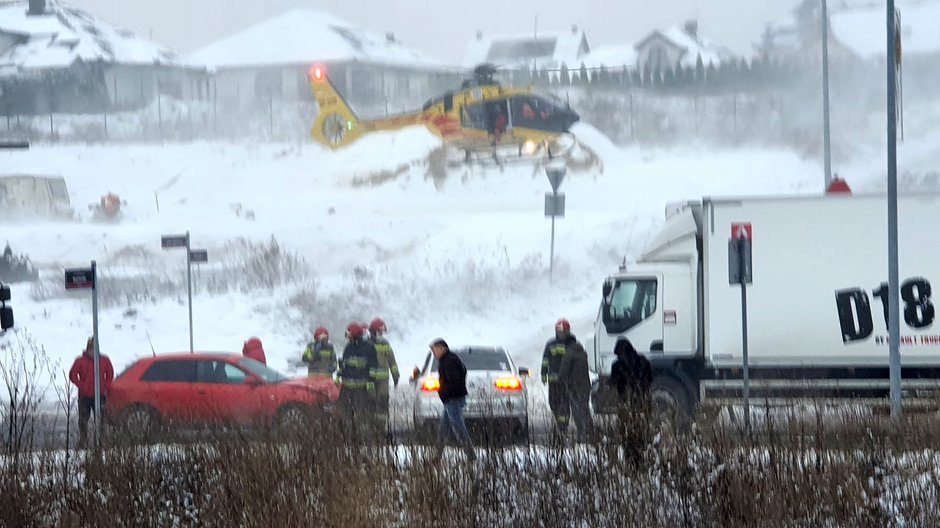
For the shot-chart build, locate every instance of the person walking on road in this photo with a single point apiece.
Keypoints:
(82, 375)
(453, 393)
(573, 374)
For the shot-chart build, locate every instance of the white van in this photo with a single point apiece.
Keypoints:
(28, 196)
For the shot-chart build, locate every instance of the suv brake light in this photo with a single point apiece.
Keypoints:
(430, 385)
(509, 384)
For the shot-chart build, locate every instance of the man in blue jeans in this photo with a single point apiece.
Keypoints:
(453, 393)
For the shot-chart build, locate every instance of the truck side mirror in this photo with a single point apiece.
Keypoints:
(524, 372)
(608, 287)
(415, 372)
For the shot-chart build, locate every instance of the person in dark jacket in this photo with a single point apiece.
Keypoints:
(357, 381)
(452, 374)
(82, 375)
(558, 399)
(631, 375)
(573, 374)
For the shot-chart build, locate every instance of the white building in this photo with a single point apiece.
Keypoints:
(272, 59)
(678, 47)
(536, 51)
(54, 57)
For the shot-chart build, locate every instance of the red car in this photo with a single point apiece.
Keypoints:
(213, 389)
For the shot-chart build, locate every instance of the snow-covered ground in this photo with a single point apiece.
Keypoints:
(462, 255)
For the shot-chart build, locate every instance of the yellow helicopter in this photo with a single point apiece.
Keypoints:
(483, 118)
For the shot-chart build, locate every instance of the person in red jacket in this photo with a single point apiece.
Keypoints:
(82, 375)
(253, 349)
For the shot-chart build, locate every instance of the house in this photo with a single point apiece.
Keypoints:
(56, 58)
(676, 47)
(538, 51)
(271, 61)
(611, 56)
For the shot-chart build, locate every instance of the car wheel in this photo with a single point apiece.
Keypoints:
(140, 421)
(294, 417)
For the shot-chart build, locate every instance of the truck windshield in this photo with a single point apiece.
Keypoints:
(629, 302)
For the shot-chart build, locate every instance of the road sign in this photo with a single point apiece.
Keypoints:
(739, 261)
(198, 255)
(79, 278)
(173, 241)
(741, 230)
(555, 176)
(555, 204)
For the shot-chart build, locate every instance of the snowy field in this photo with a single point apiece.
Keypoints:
(380, 231)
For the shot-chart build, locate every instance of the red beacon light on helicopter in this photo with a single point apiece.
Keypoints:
(317, 72)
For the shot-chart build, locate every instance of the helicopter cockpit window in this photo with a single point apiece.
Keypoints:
(531, 111)
(448, 102)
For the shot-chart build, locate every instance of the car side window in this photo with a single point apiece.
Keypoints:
(179, 371)
(219, 372)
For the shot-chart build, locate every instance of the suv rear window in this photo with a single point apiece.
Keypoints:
(178, 370)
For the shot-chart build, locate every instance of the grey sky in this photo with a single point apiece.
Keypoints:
(442, 28)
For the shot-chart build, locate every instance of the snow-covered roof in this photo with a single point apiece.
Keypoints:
(693, 45)
(304, 36)
(612, 56)
(63, 35)
(545, 50)
(857, 25)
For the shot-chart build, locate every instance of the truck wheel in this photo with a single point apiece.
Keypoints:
(671, 402)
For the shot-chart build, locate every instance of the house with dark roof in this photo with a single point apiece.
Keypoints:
(271, 61)
(56, 58)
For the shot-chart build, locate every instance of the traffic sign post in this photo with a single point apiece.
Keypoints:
(183, 241)
(554, 206)
(87, 279)
(739, 272)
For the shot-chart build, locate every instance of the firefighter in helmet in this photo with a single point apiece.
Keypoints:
(387, 364)
(320, 356)
(357, 384)
(558, 398)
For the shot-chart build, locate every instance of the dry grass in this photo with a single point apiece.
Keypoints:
(806, 467)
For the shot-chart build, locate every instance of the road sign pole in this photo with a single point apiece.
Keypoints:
(189, 287)
(743, 278)
(894, 328)
(551, 255)
(97, 354)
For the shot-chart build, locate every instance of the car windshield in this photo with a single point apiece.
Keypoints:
(268, 374)
(481, 360)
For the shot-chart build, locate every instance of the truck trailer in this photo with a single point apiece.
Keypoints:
(817, 305)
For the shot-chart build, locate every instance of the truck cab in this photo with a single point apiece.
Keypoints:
(653, 303)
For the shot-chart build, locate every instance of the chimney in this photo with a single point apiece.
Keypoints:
(691, 28)
(574, 29)
(36, 7)
(479, 35)
(389, 37)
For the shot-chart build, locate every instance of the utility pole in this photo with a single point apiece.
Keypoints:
(894, 329)
(827, 152)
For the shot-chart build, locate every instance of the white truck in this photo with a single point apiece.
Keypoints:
(816, 309)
